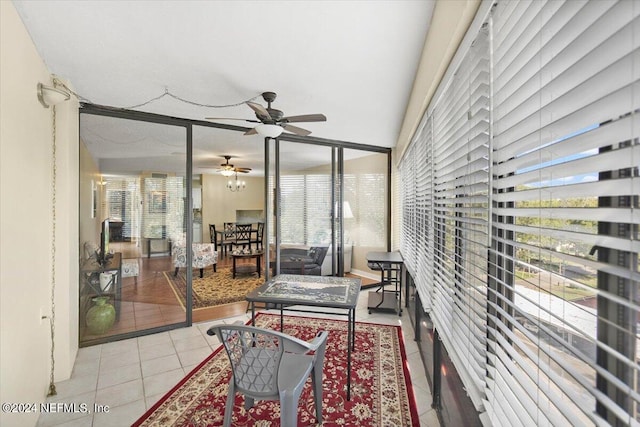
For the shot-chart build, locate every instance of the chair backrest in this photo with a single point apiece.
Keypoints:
(255, 355)
(212, 233)
(229, 229)
(243, 233)
(260, 231)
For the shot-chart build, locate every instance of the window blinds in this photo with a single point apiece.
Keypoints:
(424, 226)
(121, 203)
(408, 241)
(292, 208)
(527, 165)
(564, 300)
(460, 214)
(305, 208)
(163, 214)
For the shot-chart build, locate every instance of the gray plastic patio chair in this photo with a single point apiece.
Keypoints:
(269, 365)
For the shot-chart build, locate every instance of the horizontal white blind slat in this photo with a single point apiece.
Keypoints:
(563, 42)
(619, 130)
(595, 214)
(612, 187)
(562, 169)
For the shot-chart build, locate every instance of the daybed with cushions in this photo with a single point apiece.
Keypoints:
(302, 261)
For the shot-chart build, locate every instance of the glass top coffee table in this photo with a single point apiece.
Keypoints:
(285, 291)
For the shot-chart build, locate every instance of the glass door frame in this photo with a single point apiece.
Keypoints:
(337, 172)
(97, 110)
(337, 194)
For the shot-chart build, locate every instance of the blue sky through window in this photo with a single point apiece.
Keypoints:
(567, 179)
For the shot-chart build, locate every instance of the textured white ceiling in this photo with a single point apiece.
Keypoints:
(354, 61)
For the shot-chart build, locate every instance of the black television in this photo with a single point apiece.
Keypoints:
(104, 242)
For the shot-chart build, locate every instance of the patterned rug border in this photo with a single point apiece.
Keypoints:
(403, 355)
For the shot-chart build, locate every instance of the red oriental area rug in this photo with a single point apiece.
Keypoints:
(381, 392)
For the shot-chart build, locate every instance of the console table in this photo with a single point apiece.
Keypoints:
(90, 278)
(390, 266)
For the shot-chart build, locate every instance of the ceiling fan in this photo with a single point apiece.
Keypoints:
(272, 122)
(227, 169)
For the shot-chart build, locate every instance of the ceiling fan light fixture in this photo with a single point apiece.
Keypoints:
(270, 131)
(227, 172)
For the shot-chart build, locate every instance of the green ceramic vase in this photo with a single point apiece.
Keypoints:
(101, 316)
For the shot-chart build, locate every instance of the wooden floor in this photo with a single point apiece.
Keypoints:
(151, 302)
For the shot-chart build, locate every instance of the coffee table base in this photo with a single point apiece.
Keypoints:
(247, 268)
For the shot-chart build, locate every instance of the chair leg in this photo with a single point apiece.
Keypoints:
(201, 273)
(316, 382)
(176, 272)
(289, 408)
(248, 402)
(214, 268)
(228, 409)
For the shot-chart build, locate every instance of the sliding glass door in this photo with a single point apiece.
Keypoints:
(302, 193)
(154, 187)
(330, 207)
(133, 217)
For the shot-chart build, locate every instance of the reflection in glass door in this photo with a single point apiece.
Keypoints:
(366, 207)
(331, 198)
(132, 227)
(303, 195)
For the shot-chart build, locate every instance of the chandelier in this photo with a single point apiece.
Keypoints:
(235, 185)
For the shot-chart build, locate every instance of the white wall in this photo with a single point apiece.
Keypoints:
(26, 225)
(219, 205)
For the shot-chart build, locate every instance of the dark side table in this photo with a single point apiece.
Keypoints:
(247, 267)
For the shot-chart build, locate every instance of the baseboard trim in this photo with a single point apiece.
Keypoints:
(367, 274)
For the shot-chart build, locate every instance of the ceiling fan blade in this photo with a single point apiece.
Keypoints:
(232, 118)
(259, 109)
(242, 169)
(296, 130)
(305, 118)
(251, 132)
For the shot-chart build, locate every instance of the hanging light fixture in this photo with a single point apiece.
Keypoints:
(271, 131)
(236, 185)
(227, 172)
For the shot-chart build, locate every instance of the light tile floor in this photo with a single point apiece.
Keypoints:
(129, 376)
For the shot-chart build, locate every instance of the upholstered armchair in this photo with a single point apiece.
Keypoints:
(204, 255)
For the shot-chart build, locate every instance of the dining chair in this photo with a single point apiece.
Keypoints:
(243, 235)
(229, 235)
(213, 236)
(219, 239)
(270, 365)
(259, 234)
